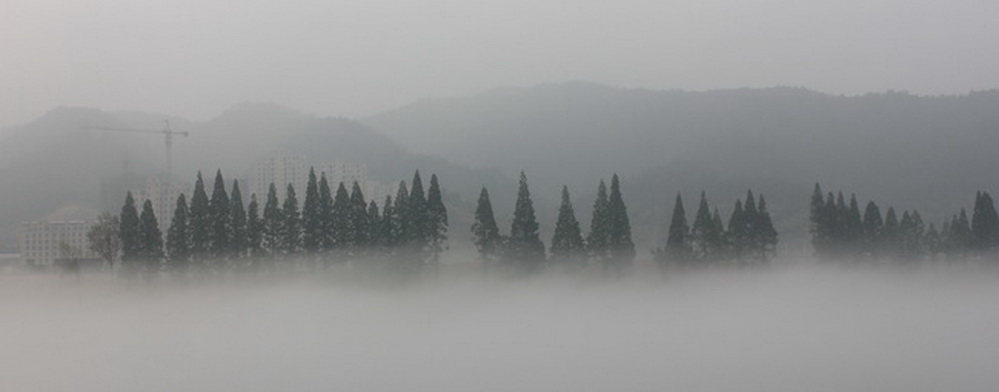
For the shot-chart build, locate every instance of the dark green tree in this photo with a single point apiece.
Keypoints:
(567, 243)
(220, 213)
(326, 224)
(764, 234)
(341, 219)
(820, 224)
(873, 227)
(598, 240)
(254, 229)
(737, 234)
(622, 249)
(678, 251)
(702, 233)
(312, 228)
(178, 242)
(984, 223)
(418, 218)
(237, 217)
(272, 224)
(485, 233)
(130, 231)
(359, 224)
(200, 224)
(436, 222)
(524, 248)
(291, 233)
(891, 235)
(151, 252)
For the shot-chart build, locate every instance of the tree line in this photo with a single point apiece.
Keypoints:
(214, 235)
(840, 232)
(749, 240)
(608, 243)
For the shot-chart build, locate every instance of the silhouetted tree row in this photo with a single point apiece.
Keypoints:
(840, 232)
(608, 244)
(749, 240)
(217, 234)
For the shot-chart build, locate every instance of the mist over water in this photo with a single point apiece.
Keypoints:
(792, 328)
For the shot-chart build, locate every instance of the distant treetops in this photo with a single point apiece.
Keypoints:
(749, 240)
(215, 235)
(841, 232)
(608, 243)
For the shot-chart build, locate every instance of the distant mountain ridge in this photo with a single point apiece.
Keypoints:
(924, 152)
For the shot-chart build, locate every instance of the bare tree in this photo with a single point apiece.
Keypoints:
(104, 239)
(70, 263)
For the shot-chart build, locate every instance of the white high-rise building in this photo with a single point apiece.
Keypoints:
(281, 171)
(163, 197)
(42, 243)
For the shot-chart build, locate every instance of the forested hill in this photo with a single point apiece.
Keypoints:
(931, 153)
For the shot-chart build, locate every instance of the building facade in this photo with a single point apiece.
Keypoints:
(44, 243)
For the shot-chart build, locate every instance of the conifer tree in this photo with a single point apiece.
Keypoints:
(200, 224)
(341, 218)
(387, 228)
(359, 225)
(402, 226)
(962, 235)
(291, 234)
(418, 218)
(567, 243)
(130, 232)
(254, 228)
(891, 236)
(873, 227)
(326, 223)
(765, 236)
(151, 253)
(436, 221)
(819, 222)
(525, 249)
(854, 229)
(737, 235)
(178, 239)
(485, 233)
(702, 232)
(622, 249)
(598, 240)
(718, 242)
(678, 250)
(312, 230)
(237, 217)
(751, 239)
(220, 213)
(984, 223)
(272, 225)
(375, 239)
(932, 242)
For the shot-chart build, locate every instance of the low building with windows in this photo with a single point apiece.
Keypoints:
(44, 244)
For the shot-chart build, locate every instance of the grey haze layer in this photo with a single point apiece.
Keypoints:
(791, 329)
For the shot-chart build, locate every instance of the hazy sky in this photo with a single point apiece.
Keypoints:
(355, 57)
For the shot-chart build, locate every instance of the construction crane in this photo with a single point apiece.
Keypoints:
(168, 139)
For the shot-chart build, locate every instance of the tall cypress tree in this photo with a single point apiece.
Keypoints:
(387, 226)
(436, 221)
(854, 227)
(485, 233)
(598, 240)
(961, 230)
(254, 228)
(525, 249)
(272, 225)
(130, 232)
(702, 231)
(765, 234)
(873, 226)
(178, 242)
(237, 217)
(312, 230)
(341, 218)
(678, 250)
(891, 235)
(819, 222)
(326, 223)
(200, 224)
(736, 234)
(622, 249)
(375, 239)
(220, 213)
(419, 218)
(151, 253)
(718, 242)
(359, 225)
(567, 243)
(402, 224)
(291, 235)
(984, 223)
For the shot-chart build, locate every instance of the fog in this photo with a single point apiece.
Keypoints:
(794, 327)
(195, 58)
